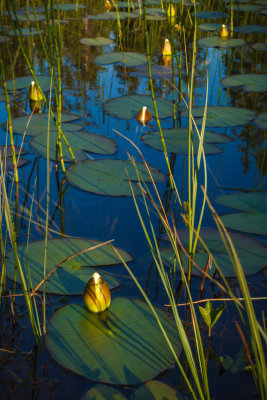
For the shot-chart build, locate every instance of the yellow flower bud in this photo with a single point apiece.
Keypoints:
(223, 32)
(96, 295)
(34, 93)
(170, 11)
(167, 49)
(108, 5)
(144, 116)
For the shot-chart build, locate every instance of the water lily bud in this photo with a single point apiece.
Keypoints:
(167, 49)
(144, 116)
(223, 32)
(34, 93)
(177, 28)
(36, 106)
(108, 5)
(170, 11)
(167, 60)
(96, 295)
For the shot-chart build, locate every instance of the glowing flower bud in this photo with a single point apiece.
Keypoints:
(170, 11)
(108, 5)
(223, 32)
(144, 116)
(34, 93)
(167, 49)
(96, 295)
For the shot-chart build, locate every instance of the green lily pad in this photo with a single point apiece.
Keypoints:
(24, 32)
(108, 177)
(126, 350)
(210, 14)
(69, 7)
(126, 4)
(209, 27)
(261, 46)
(154, 12)
(127, 107)
(74, 274)
(6, 151)
(216, 41)
(237, 364)
(111, 15)
(251, 29)
(222, 117)
(39, 123)
(261, 120)
(237, 1)
(11, 97)
(252, 82)
(8, 163)
(130, 59)
(3, 39)
(24, 82)
(98, 41)
(245, 7)
(254, 217)
(252, 254)
(80, 143)
(157, 72)
(156, 390)
(176, 141)
(29, 17)
(103, 392)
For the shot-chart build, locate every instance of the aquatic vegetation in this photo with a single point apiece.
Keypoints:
(211, 315)
(144, 116)
(96, 295)
(223, 32)
(252, 82)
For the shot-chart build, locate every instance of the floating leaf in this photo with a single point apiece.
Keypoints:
(210, 14)
(239, 363)
(39, 124)
(251, 29)
(252, 254)
(209, 27)
(74, 274)
(24, 32)
(222, 117)
(252, 82)
(111, 15)
(6, 151)
(126, 4)
(8, 163)
(29, 17)
(254, 217)
(130, 59)
(127, 107)
(176, 141)
(108, 177)
(260, 46)
(155, 390)
(25, 81)
(157, 72)
(126, 350)
(245, 8)
(216, 41)
(80, 142)
(261, 120)
(11, 97)
(98, 41)
(103, 392)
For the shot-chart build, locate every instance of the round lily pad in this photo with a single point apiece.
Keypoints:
(210, 14)
(127, 58)
(222, 117)
(108, 177)
(9, 166)
(11, 96)
(24, 32)
(252, 82)
(176, 141)
(156, 390)
(25, 82)
(209, 27)
(157, 72)
(111, 15)
(251, 29)
(216, 41)
(80, 143)
(245, 8)
(29, 17)
(74, 274)
(103, 392)
(253, 219)
(126, 350)
(6, 151)
(126, 4)
(261, 46)
(261, 120)
(252, 254)
(39, 123)
(98, 41)
(127, 107)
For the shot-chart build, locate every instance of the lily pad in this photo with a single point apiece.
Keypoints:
(261, 120)
(111, 15)
(98, 41)
(103, 392)
(209, 27)
(108, 177)
(126, 4)
(8, 163)
(222, 117)
(156, 390)
(80, 143)
(245, 8)
(157, 72)
(126, 350)
(251, 29)
(216, 41)
(39, 123)
(25, 81)
(210, 14)
(3, 39)
(24, 32)
(73, 275)
(130, 59)
(11, 96)
(126, 107)
(261, 46)
(29, 17)
(253, 219)
(252, 254)
(176, 141)
(252, 82)
(6, 151)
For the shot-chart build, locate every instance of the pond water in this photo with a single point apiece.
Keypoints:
(82, 205)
